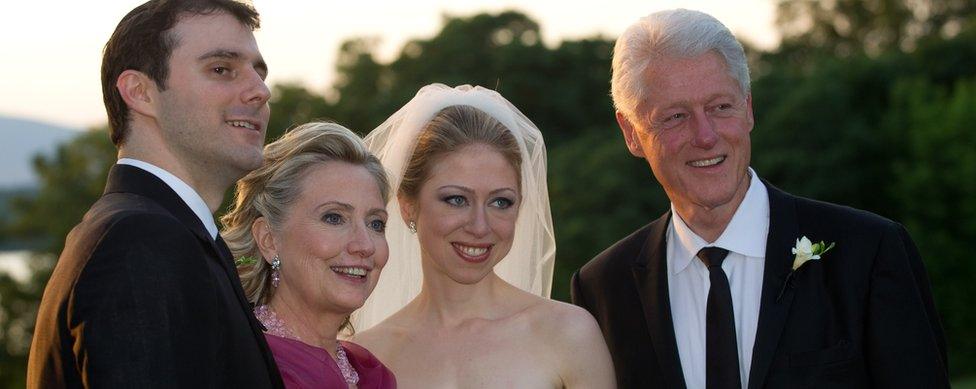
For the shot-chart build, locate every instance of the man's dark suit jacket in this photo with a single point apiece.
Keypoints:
(142, 297)
(862, 316)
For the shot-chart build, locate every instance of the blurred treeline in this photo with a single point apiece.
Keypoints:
(865, 103)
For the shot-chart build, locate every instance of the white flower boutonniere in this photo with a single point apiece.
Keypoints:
(804, 251)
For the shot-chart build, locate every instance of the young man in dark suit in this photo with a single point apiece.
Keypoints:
(728, 289)
(145, 293)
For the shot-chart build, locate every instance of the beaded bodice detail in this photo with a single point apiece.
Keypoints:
(277, 327)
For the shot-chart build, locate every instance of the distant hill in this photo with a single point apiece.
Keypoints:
(20, 140)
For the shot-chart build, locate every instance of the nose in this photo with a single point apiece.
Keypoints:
(704, 132)
(361, 243)
(257, 92)
(478, 224)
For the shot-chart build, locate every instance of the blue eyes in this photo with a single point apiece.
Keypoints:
(456, 201)
(378, 225)
(501, 203)
(676, 116)
(333, 218)
(460, 201)
(336, 219)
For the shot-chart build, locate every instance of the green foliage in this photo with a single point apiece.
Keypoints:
(936, 188)
(852, 27)
(599, 194)
(17, 312)
(70, 181)
(292, 105)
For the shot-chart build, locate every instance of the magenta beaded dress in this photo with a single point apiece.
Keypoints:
(305, 366)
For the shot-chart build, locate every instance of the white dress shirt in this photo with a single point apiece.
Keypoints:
(688, 283)
(189, 196)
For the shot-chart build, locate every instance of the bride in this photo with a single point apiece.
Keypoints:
(462, 302)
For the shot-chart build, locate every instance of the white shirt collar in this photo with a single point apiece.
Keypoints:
(186, 193)
(746, 233)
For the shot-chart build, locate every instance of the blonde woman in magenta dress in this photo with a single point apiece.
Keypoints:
(308, 231)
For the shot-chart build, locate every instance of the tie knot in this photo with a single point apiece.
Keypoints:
(712, 256)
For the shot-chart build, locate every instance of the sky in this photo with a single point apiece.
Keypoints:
(51, 50)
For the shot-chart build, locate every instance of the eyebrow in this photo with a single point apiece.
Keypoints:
(349, 207)
(337, 204)
(469, 190)
(259, 64)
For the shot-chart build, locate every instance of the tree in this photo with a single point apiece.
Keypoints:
(70, 181)
(938, 195)
(851, 27)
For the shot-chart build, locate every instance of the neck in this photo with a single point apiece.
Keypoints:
(319, 329)
(710, 222)
(210, 186)
(449, 303)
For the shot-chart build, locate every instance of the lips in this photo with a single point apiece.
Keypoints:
(244, 124)
(475, 253)
(353, 273)
(707, 162)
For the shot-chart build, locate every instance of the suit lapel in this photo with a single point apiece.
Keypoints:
(650, 273)
(130, 179)
(783, 231)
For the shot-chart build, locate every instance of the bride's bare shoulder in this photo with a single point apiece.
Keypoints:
(564, 320)
(383, 338)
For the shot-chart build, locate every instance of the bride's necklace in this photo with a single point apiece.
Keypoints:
(278, 328)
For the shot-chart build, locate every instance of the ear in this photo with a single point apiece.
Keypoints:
(408, 209)
(752, 121)
(264, 239)
(138, 91)
(630, 135)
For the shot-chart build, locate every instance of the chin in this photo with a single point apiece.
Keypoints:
(469, 276)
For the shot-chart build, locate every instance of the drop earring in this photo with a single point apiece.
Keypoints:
(275, 275)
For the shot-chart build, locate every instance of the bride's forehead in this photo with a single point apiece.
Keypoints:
(472, 165)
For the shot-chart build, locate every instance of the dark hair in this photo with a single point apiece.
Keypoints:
(142, 41)
(452, 128)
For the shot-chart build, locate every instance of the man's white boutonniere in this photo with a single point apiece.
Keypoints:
(804, 251)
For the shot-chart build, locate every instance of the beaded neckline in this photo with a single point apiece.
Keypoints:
(277, 327)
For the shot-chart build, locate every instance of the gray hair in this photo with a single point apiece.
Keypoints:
(269, 190)
(672, 33)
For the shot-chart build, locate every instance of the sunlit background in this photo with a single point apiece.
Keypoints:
(52, 52)
(868, 103)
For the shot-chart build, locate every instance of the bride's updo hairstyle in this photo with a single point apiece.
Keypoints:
(451, 129)
(271, 189)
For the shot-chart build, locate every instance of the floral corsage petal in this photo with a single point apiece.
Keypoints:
(804, 251)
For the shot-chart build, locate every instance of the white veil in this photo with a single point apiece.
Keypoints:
(529, 264)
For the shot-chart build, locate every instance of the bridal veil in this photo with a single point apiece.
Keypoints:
(529, 264)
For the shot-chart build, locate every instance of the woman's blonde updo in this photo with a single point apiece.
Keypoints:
(272, 188)
(449, 130)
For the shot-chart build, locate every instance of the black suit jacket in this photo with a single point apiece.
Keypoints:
(862, 316)
(142, 297)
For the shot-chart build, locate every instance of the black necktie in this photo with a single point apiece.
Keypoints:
(721, 353)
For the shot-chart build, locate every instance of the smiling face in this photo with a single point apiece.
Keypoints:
(466, 212)
(693, 129)
(214, 110)
(331, 243)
